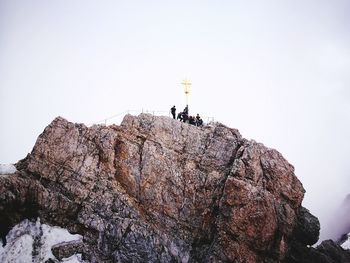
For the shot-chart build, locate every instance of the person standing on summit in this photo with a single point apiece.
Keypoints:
(185, 114)
(173, 111)
(186, 110)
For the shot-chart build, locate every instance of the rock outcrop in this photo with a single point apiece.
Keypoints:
(157, 190)
(67, 249)
(327, 252)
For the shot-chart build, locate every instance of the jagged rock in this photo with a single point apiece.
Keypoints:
(306, 233)
(67, 249)
(344, 241)
(157, 190)
(327, 252)
(333, 252)
(308, 227)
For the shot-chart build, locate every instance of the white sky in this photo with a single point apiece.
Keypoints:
(279, 71)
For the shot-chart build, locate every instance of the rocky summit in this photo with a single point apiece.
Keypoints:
(157, 190)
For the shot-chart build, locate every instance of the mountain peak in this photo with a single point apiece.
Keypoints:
(158, 190)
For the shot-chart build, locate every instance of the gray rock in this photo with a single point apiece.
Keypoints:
(157, 190)
(67, 249)
(308, 227)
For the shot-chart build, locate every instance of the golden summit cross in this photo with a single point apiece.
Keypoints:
(186, 84)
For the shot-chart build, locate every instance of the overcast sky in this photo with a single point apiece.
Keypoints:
(279, 71)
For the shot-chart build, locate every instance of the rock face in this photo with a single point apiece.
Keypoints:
(157, 190)
(327, 252)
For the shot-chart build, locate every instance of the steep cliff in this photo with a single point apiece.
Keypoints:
(157, 190)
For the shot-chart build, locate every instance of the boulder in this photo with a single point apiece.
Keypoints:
(67, 249)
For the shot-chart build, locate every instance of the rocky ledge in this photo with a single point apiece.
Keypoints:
(157, 190)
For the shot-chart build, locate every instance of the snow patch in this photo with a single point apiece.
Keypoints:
(7, 169)
(20, 251)
(32, 241)
(73, 259)
(346, 244)
(52, 236)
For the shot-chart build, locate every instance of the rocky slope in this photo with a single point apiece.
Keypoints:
(157, 190)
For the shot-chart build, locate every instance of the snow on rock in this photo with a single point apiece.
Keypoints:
(73, 259)
(7, 169)
(346, 243)
(19, 251)
(32, 241)
(52, 236)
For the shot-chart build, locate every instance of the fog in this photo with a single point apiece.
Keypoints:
(279, 71)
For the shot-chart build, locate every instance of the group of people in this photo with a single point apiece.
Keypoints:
(184, 117)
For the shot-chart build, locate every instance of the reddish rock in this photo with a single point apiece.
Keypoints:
(157, 190)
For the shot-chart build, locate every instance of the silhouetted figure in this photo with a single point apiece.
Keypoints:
(192, 120)
(184, 117)
(185, 114)
(173, 111)
(179, 116)
(186, 110)
(199, 121)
